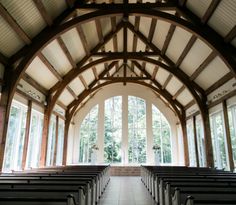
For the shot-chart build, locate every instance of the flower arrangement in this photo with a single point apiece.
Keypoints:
(156, 147)
(94, 147)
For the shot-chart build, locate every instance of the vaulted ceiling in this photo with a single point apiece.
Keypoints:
(62, 52)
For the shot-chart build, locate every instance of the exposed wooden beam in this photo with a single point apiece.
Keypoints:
(66, 52)
(228, 136)
(210, 11)
(14, 25)
(231, 35)
(59, 115)
(83, 82)
(56, 141)
(141, 53)
(155, 72)
(83, 39)
(42, 10)
(99, 30)
(152, 29)
(219, 83)
(192, 115)
(3, 59)
(124, 78)
(49, 66)
(167, 81)
(190, 104)
(95, 73)
(204, 64)
(168, 39)
(61, 104)
(178, 92)
(71, 92)
(186, 50)
(35, 84)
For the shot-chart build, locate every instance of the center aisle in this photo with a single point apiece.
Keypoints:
(126, 191)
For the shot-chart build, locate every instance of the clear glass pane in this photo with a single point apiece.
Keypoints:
(232, 126)
(61, 125)
(191, 144)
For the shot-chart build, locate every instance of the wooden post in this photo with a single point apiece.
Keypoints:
(185, 140)
(207, 137)
(56, 141)
(27, 133)
(195, 140)
(66, 133)
(228, 138)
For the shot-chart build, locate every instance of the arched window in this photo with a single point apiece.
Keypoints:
(161, 135)
(137, 129)
(113, 129)
(88, 135)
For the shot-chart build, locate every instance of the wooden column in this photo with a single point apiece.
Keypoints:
(228, 138)
(46, 122)
(185, 140)
(5, 105)
(66, 133)
(27, 133)
(195, 140)
(207, 137)
(56, 141)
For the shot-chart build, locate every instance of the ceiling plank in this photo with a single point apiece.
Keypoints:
(231, 35)
(210, 11)
(42, 10)
(66, 52)
(219, 83)
(178, 92)
(83, 39)
(35, 84)
(204, 64)
(14, 25)
(186, 50)
(167, 81)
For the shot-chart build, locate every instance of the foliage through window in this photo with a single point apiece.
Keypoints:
(136, 130)
(232, 126)
(191, 143)
(200, 142)
(51, 141)
(161, 135)
(113, 130)
(88, 135)
(60, 141)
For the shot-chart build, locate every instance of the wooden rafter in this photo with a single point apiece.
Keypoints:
(83, 82)
(168, 39)
(204, 64)
(178, 92)
(186, 50)
(14, 25)
(61, 104)
(42, 10)
(190, 104)
(219, 83)
(83, 39)
(231, 35)
(210, 11)
(155, 72)
(167, 81)
(35, 84)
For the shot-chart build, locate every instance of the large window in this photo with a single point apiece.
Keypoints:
(232, 126)
(191, 144)
(35, 137)
(137, 130)
(200, 142)
(51, 141)
(88, 135)
(15, 137)
(161, 135)
(60, 141)
(218, 140)
(113, 129)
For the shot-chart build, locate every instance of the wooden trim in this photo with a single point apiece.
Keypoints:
(219, 83)
(155, 72)
(83, 39)
(27, 133)
(83, 82)
(66, 133)
(42, 10)
(59, 115)
(72, 92)
(225, 97)
(210, 10)
(56, 141)
(195, 140)
(99, 30)
(192, 115)
(185, 141)
(228, 138)
(190, 104)
(168, 39)
(231, 35)
(14, 25)
(167, 81)
(61, 104)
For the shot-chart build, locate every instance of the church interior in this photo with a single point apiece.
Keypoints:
(117, 102)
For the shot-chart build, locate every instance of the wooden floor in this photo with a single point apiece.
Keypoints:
(126, 191)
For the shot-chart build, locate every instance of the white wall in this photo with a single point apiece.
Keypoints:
(121, 90)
